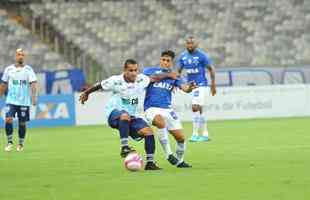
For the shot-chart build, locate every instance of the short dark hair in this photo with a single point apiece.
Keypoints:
(168, 53)
(129, 61)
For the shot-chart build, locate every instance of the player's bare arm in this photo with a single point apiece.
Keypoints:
(180, 71)
(159, 77)
(212, 76)
(3, 87)
(84, 96)
(188, 87)
(33, 86)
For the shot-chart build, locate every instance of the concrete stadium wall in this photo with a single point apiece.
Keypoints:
(229, 103)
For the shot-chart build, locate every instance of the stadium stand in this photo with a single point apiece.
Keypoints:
(234, 32)
(13, 36)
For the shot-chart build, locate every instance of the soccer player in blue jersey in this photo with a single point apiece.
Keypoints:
(121, 109)
(158, 111)
(21, 82)
(194, 62)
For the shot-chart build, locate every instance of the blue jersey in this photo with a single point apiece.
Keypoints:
(19, 80)
(158, 94)
(195, 66)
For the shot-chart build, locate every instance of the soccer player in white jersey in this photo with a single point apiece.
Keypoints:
(121, 109)
(158, 110)
(194, 62)
(21, 82)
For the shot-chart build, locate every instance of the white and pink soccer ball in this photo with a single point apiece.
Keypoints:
(133, 162)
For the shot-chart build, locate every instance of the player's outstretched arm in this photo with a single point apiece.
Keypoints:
(188, 87)
(212, 76)
(3, 87)
(159, 77)
(84, 96)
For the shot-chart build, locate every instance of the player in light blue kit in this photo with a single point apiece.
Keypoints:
(194, 62)
(21, 82)
(158, 110)
(121, 109)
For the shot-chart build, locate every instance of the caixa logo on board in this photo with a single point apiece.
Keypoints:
(51, 110)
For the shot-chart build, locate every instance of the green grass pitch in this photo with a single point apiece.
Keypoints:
(246, 160)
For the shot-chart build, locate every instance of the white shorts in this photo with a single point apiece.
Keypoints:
(199, 95)
(171, 119)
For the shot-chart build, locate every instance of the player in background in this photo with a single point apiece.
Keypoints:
(195, 62)
(158, 111)
(121, 109)
(21, 82)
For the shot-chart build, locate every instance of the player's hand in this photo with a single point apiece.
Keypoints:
(192, 85)
(213, 89)
(34, 100)
(173, 75)
(83, 97)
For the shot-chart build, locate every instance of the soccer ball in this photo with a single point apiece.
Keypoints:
(133, 162)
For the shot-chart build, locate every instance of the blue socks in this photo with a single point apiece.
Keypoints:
(123, 127)
(9, 132)
(149, 146)
(21, 133)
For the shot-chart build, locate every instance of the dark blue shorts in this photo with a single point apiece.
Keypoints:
(21, 111)
(135, 124)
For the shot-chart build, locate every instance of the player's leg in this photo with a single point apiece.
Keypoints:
(204, 128)
(23, 117)
(154, 116)
(180, 149)
(196, 123)
(203, 120)
(139, 127)
(120, 120)
(195, 115)
(175, 128)
(9, 115)
(21, 135)
(199, 120)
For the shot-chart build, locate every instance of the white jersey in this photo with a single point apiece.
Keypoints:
(18, 80)
(125, 95)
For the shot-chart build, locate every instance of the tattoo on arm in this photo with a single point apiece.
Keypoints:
(95, 87)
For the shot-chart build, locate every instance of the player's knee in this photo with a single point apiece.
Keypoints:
(159, 122)
(146, 131)
(195, 108)
(21, 123)
(179, 137)
(9, 120)
(124, 116)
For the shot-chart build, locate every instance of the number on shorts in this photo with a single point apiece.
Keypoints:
(173, 115)
(196, 93)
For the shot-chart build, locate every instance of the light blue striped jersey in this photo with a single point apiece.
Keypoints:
(18, 80)
(125, 95)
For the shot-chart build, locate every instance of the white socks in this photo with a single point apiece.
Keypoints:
(196, 122)
(180, 151)
(162, 135)
(203, 126)
(199, 123)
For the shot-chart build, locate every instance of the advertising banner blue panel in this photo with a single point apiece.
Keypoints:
(51, 110)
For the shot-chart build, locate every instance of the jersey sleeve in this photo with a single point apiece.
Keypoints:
(5, 76)
(108, 84)
(144, 80)
(178, 83)
(147, 71)
(32, 76)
